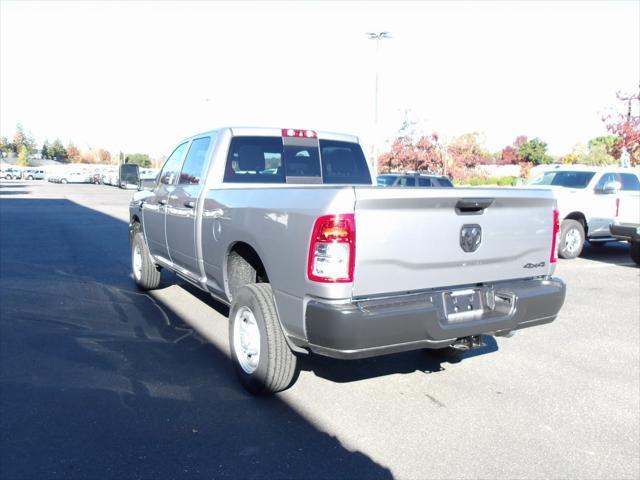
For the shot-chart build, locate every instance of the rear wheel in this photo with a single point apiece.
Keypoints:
(634, 251)
(64, 180)
(571, 239)
(260, 354)
(30, 177)
(145, 273)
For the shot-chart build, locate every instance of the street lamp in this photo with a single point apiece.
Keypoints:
(377, 36)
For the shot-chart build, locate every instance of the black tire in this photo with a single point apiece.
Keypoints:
(634, 251)
(276, 365)
(148, 276)
(64, 180)
(29, 177)
(9, 177)
(570, 246)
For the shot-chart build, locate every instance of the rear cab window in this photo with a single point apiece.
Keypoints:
(254, 159)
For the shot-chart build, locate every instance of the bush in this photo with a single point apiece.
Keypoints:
(480, 181)
(507, 181)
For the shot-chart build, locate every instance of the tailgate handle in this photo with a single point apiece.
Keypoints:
(473, 206)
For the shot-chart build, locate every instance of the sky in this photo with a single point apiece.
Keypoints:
(138, 77)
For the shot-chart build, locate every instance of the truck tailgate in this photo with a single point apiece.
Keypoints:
(410, 239)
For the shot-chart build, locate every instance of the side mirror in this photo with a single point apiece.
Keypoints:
(611, 187)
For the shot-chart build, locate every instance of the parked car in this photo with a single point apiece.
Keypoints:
(11, 174)
(312, 257)
(588, 198)
(34, 174)
(73, 177)
(413, 180)
(626, 225)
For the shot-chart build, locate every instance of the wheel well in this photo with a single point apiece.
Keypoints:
(134, 226)
(578, 216)
(244, 266)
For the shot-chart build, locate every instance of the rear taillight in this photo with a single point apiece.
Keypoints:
(332, 252)
(556, 234)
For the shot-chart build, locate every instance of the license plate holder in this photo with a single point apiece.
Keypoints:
(462, 305)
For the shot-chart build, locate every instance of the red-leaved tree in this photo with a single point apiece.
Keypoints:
(407, 153)
(627, 127)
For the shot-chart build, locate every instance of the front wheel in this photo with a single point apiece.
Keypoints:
(260, 354)
(634, 251)
(145, 273)
(571, 239)
(29, 177)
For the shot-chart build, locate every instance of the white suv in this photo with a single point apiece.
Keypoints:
(588, 199)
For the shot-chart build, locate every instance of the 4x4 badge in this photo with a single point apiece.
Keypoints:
(535, 265)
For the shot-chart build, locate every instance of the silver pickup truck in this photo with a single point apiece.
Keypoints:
(287, 228)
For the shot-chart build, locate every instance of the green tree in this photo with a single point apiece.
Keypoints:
(598, 155)
(57, 151)
(6, 146)
(45, 149)
(23, 156)
(612, 144)
(534, 151)
(141, 159)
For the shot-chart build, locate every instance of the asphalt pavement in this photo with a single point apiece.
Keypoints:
(101, 380)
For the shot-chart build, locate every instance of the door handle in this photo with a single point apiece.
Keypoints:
(217, 213)
(162, 201)
(189, 204)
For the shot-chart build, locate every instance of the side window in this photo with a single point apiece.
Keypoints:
(606, 178)
(444, 182)
(630, 182)
(424, 182)
(172, 165)
(193, 165)
(344, 162)
(407, 182)
(254, 160)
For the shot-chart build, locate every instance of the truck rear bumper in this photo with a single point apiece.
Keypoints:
(626, 231)
(371, 327)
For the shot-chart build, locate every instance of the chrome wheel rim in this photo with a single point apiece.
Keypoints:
(572, 240)
(137, 262)
(246, 340)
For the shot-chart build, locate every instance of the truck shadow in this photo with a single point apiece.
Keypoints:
(345, 371)
(98, 379)
(615, 253)
(427, 361)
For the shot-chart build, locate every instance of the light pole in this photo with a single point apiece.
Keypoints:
(377, 36)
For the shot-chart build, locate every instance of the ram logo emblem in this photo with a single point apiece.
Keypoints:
(470, 237)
